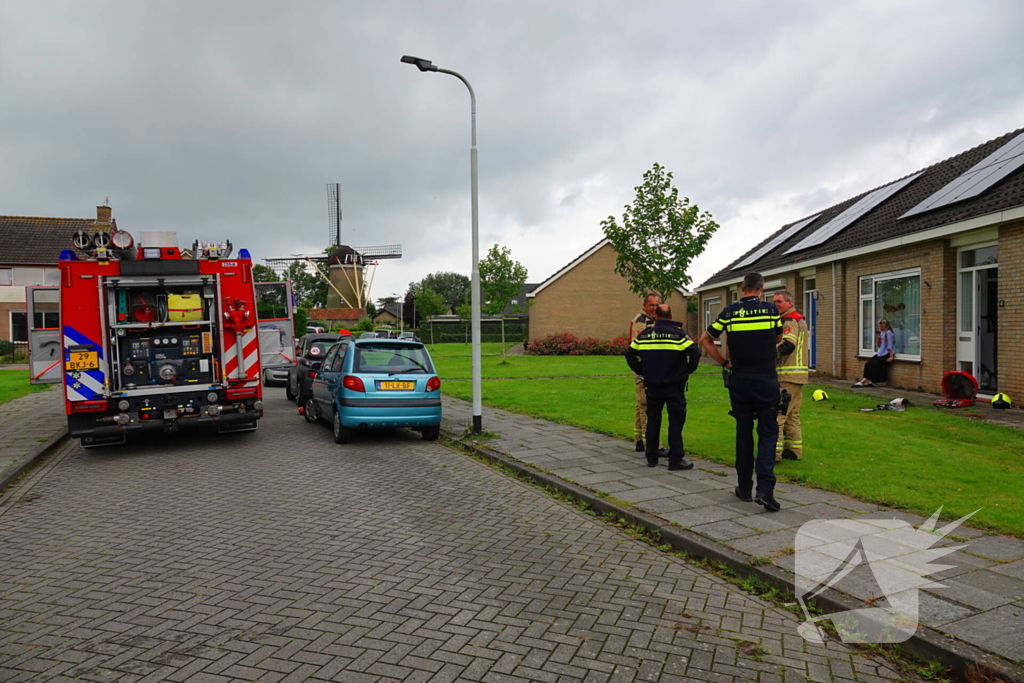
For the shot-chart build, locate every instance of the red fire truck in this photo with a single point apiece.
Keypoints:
(148, 340)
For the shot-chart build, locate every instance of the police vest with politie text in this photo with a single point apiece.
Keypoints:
(663, 354)
(753, 326)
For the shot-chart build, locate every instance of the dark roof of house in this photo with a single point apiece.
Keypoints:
(521, 301)
(27, 239)
(393, 309)
(883, 222)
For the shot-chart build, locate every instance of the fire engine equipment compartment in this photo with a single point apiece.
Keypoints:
(170, 336)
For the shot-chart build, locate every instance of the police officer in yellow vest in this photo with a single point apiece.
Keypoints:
(794, 354)
(636, 326)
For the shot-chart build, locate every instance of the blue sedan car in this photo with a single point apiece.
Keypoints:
(373, 384)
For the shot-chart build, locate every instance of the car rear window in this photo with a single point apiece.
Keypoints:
(392, 359)
(318, 349)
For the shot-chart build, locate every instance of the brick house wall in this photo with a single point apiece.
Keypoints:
(1010, 349)
(937, 261)
(590, 300)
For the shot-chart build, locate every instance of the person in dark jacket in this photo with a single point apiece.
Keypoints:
(665, 357)
(754, 329)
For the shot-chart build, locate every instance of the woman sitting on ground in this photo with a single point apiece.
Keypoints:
(877, 369)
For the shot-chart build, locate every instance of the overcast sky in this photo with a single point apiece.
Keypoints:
(225, 120)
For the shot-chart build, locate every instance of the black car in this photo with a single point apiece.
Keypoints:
(311, 347)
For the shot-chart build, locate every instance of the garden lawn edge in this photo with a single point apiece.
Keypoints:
(927, 643)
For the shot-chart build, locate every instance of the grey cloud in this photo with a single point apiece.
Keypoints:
(227, 119)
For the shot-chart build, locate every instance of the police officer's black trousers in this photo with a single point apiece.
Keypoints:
(673, 398)
(754, 399)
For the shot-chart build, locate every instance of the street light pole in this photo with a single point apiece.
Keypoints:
(425, 65)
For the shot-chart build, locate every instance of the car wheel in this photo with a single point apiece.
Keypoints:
(288, 391)
(311, 412)
(342, 434)
(431, 433)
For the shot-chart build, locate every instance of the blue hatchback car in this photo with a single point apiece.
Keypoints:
(376, 383)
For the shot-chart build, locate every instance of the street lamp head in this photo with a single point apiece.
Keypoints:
(421, 64)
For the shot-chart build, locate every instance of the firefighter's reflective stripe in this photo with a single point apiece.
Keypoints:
(793, 367)
(250, 363)
(82, 385)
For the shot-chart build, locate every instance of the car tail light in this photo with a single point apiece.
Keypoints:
(312, 374)
(353, 383)
(433, 384)
(88, 406)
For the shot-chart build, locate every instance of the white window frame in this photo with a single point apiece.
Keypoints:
(9, 280)
(707, 310)
(861, 298)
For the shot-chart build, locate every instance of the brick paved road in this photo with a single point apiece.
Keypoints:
(279, 556)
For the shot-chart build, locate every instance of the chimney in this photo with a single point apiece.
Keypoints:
(103, 214)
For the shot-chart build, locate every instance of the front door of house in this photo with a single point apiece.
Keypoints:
(811, 311)
(977, 315)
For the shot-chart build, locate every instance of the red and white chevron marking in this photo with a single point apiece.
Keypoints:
(250, 356)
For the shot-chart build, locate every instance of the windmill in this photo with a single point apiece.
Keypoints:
(348, 270)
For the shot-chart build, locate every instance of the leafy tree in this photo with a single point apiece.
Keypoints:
(501, 280)
(301, 321)
(262, 273)
(659, 237)
(309, 288)
(465, 313)
(452, 287)
(430, 303)
(364, 325)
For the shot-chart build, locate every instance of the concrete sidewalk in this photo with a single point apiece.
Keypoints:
(982, 604)
(29, 426)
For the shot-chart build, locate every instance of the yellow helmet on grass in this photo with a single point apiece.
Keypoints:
(819, 395)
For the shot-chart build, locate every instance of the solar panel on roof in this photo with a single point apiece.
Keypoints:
(978, 178)
(785, 235)
(866, 204)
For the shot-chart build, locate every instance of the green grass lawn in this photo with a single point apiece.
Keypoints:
(14, 383)
(453, 361)
(917, 460)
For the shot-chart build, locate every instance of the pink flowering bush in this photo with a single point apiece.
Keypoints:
(565, 344)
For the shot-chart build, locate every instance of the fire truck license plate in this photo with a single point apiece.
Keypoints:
(83, 360)
(397, 386)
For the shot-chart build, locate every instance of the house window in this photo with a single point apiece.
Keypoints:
(19, 328)
(711, 310)
(897, 298)
(734, 296)
(6, 276)
(28, 276)
(51, 277)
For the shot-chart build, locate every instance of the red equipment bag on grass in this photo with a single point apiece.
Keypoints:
(960, 389)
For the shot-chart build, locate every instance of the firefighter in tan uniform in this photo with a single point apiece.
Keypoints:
(794, 354)
(636, 326)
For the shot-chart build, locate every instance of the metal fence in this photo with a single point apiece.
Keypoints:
(13, 352)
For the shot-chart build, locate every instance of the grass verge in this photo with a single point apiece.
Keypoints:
(917, 460)
(14, 384)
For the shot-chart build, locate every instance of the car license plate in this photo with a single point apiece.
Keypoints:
(83, 360)
(396, 386)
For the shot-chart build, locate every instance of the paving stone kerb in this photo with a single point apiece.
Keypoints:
(29, 427)
(978, 618)
(281, 556)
